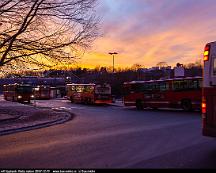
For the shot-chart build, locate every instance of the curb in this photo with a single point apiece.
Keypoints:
(67, 117)
(9, 119)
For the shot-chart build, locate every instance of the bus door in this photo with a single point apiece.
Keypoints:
(128, 92)
(132, 94)
(159, 95)
(165, 93)
(149, 94)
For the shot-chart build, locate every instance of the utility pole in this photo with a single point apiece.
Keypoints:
(113, 55)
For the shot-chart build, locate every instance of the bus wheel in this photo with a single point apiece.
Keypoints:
(139, 105)
(186, 105)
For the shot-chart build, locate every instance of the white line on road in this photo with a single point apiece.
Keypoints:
(69, 108)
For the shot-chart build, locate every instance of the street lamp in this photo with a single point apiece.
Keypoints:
(113, 54)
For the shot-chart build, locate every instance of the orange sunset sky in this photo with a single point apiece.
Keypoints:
(150, 31)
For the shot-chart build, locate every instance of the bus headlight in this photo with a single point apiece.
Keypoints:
(32, 96)
(19, 97)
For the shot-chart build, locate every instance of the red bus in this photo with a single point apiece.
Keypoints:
(209, 91)
(18, 92)
(41, 92)
(89, 93)
(185, 93)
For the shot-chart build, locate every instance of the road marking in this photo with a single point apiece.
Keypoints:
(65, 101)
(70, 108)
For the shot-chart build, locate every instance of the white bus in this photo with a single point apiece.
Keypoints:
(209, 91)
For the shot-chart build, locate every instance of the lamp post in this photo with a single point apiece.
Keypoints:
(113, 54)
(34, 98)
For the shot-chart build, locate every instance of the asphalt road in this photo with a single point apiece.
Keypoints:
(112, 137)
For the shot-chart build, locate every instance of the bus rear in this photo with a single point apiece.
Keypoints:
(103, 94)
(89, 93)
(209, 91)
(41, 92)
(18, 92)
(24, 93)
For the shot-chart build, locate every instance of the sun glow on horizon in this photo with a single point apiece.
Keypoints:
(148, 32)
(144, 32)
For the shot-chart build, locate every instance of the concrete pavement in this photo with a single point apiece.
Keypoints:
(112, 137)
(16, 117)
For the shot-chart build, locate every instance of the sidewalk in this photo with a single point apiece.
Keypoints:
(16, 117)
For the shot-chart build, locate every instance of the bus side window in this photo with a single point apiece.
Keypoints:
(184, 85)
(195, 84)
(175, 85)
(156, 86)
(167, 86)
(148, 86)
(151, 86)
(192, 84)
(164, 86)
(73, 88)
(91, 89)
(143, 87)
(79, 89)
(82, 88)
(178, 85)
(86, 89)
(200, 83)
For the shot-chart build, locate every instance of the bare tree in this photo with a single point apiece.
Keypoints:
(161, 65)
(136, 66)
(39, 32)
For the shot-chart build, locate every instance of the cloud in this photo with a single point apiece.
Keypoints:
(150, 31)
